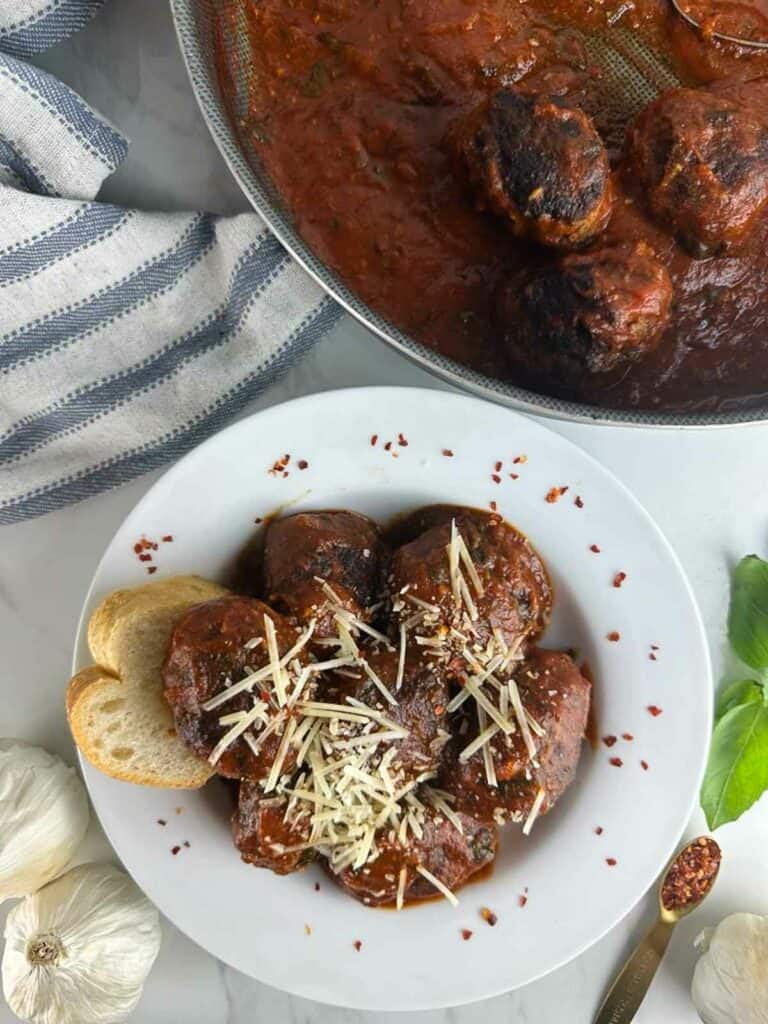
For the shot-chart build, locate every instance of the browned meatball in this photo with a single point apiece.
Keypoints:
(344, 549)
(450, 855)
(556, 696)
(516, 596)
(212, 648)
(586, 312)
(263, 835)
(539, 163)
(420, 708)
(700, 158)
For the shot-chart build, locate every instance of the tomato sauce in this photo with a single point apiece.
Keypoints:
(351, 102)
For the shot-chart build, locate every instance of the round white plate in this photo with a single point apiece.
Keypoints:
(301, 938)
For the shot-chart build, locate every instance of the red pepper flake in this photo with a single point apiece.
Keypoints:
(489, 916)
(555, 494)
(609, 741)
(258, 520)
(151, 569)
(594, 549)
(402, 440)
(616, 762)
(317, 887)
(652, 656)
(692, 873)
(618, 579)
(374, 439)
(145, 558)
(302, 463)
(514, 476)
(578, 501)
(161, 821)
(493, 506)
(611, 862)
(627, 736)
(447, 453)
(613, 636)
(599, 830)
(654, 647)
(496, 478)
(497, 467)
(358, 945)
(466, 934)
(138, 548)
(520, 459)
(388, 446)
(522, 899)
(644, 765)
(186, 843)
(175, 850)
(168, 538)
(654, 710)
(278, 467)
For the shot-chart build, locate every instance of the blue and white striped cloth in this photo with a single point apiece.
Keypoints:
(125, 337)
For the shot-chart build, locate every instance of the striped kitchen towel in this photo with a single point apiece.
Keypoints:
(125, 337)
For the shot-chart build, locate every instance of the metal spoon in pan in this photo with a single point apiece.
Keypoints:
(685, 884)
(681, 6)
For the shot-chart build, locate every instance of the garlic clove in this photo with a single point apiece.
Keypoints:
(730, 982)
(79, 951)
(43, 817)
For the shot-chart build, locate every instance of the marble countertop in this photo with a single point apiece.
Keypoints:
(705, 489)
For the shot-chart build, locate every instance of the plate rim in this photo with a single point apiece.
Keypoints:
(406, 391)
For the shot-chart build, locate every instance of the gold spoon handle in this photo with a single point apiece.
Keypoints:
(628, 991)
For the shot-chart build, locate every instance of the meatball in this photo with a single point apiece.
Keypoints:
(420, 707)
(213, 649)
(449, 854)
(513, 603)
(539, 163)
(343, 549)
(700, 158)
(263, 831)
(556, 697)
(589, 312)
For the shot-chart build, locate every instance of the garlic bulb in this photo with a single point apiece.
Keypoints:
(43, 817)
(79, 951)
(730, 983)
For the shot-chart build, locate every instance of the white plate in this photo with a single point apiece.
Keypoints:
(418, 959)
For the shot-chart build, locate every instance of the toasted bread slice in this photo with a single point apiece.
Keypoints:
(116, 709)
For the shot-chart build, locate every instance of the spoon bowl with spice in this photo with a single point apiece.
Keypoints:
(685, 884)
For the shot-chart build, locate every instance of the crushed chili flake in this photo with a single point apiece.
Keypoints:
(488, 915)
(258, 520)
(611, 862)
(618, 579)
(402, 440)
(652, 656)
(578, 501)
(138, 548)
(654, 647)
(447, 453)
(358, 945)
(186, 843)
(514, 476)
(161, 821)
(466, 934)
(374, 439)
(317, 887)
(555, 494)
(599, 830)
(644, 765)
(302, 463)
(278, 466)
(692, 874)
(520, 459)
(627, 736)
(616, 762)
(493, 506)
(175, 850)
(145, 558)
(654, 710)
(594, 548)
(496, 478)
(497, 467)
(388, 446)
(168, 538)
(609, 740)
(613, 636)
(522, 899)
(151, 569)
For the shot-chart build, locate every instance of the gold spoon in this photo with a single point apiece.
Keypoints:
(758, 44)
(675, 902)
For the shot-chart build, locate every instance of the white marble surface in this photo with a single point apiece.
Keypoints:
(706, 490)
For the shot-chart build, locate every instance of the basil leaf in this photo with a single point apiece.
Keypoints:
(737, 770)
(748, 613)
(744, 691)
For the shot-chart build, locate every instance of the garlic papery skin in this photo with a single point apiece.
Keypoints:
(730, 983)
(43, 817)
(79, 951)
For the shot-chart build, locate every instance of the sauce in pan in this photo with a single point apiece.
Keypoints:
(351, 101)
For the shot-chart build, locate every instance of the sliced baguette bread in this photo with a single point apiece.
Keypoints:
(116, 709)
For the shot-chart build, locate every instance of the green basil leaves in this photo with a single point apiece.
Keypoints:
(737, 770)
